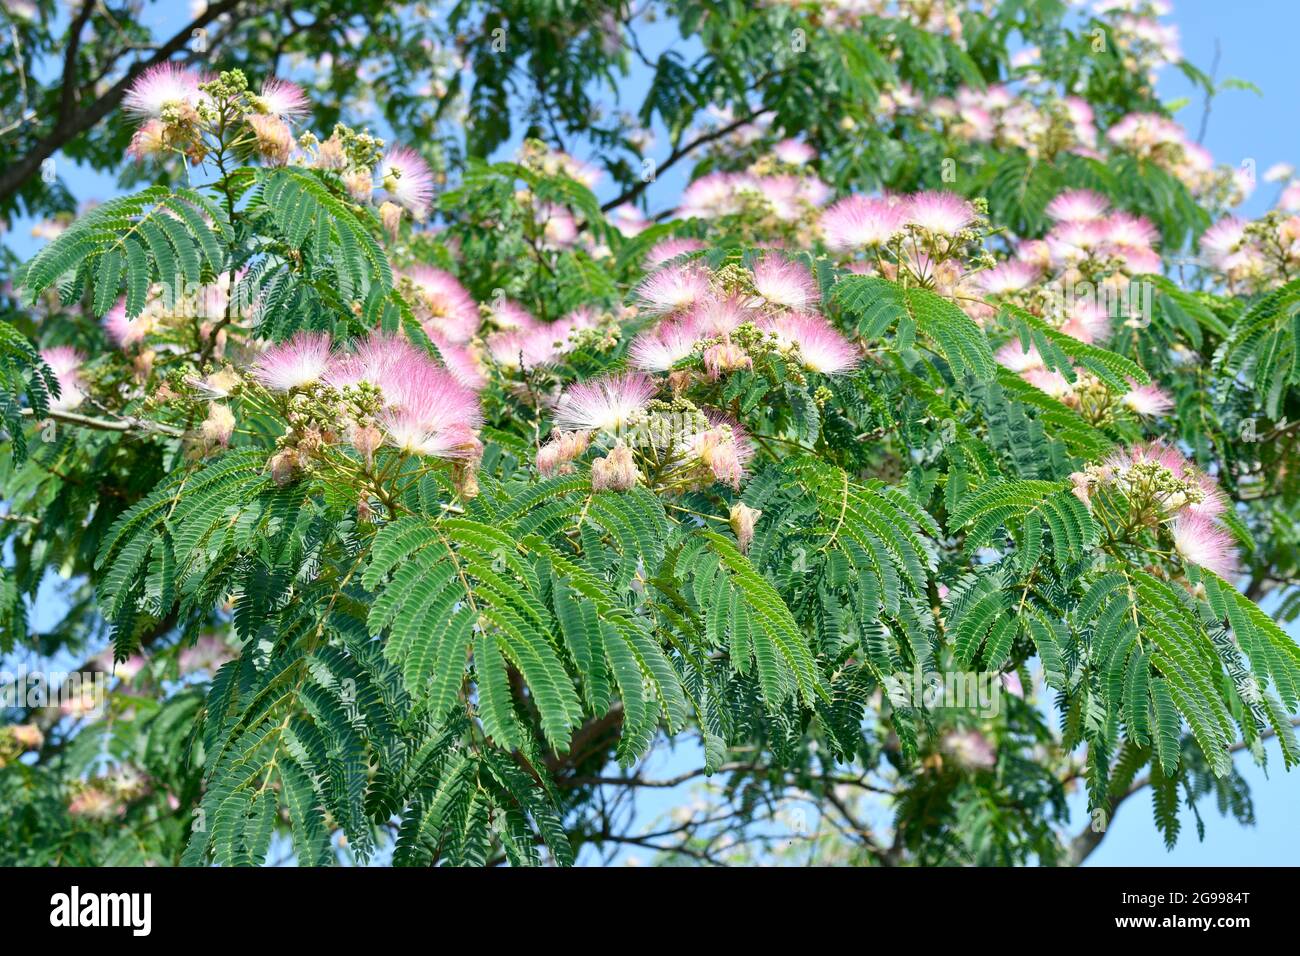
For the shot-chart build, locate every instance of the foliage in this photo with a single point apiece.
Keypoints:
(420, 500)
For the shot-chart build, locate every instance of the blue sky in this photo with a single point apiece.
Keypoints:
(1255, 40)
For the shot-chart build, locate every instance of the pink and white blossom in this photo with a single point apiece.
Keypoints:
(301, 361)
(408, 179)
(1200, 541)
(604, 404)
(781, 282)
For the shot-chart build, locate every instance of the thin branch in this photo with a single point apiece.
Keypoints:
(681, 152)
(70, 126)
(1082, 846)
(126, 423)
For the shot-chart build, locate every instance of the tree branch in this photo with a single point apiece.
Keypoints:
(682, 152)
(126, 424)
(1082, 846)
(69, 126)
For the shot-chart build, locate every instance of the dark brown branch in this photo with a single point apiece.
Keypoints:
(681, 152)
(68, 127)
(127, 424)
(78, 26)
(1082, 846)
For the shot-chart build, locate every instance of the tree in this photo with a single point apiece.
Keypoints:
(422, 496)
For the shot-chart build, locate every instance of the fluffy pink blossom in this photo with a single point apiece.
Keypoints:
(1148, 400)
(862, 222)
(282, 98)
(821, 346)
(161, 85)
(447, 307)
(1005, 277)
(660, 348)
(941, 213)
(781, 282)
(1223, 239)
(674, 288)
(300, 361)
(793, 152)
(1077, 205)
(523, 348)
(666, 249)
(717, 315)
(1126, 230)
(1200, 541)
(1049, 381)
(429, 412)
(1015, 357)
(970, 749)
(1088, 321)
(408, 179)
(126, 332)
(65, 362)
(605, 403)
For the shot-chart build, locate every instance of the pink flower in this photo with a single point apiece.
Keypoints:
(720, 316)
(160, 85)
(941, 213)
(1213, 502)
(219, 425)
(523, 348)
(446, 307)
(557, 455)
(724, 449)
(1015, 357)
(1007, 277)
(784, 283)
(793, 152)
(666, 249)
(509, 314)
(282, 98)
(300, 361)
(725, 357)
(1130, 231)
(821, 346)
(408, 179)
(1088, 321)
(660, 348)
(605, 403)
(66, 362)
(673, 289)
(1222, 239)
(461, 362)
(1199, 541)
(149, 140)
(559, 228)
(860, 222)
(429, 412)
(1148, 400)
(1051, 382)
(1077, 205)
(617, 471)
(970, 749)
(126, 332)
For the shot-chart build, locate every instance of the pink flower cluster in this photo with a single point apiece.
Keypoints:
(1163, 485)
(860, 223)
(999, 117)
(524, 342)
(1253, 256)
(786, 195)
(66, 362)
(698, 316)
(424, 411)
